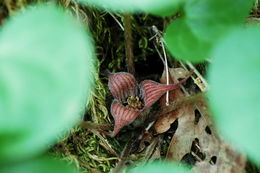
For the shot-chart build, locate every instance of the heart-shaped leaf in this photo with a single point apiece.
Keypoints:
(211, 20)
(202, 25)
(160, 8)
(46, 75)
(235, 89)
(183, 44)
(39, 165)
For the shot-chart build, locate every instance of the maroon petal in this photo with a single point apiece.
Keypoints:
(122, 116)
(122, 85)
(152, 91)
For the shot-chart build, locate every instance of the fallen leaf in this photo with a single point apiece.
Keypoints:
(197, 142)
(164, 123)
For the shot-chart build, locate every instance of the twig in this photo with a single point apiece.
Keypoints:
(166, 69)
(164, 110)
(199, 75)
(128, 44)
(158, 36)
(94, 157)
(205, 83)
(125, 153)
(159, 53)
(176, 104)
(106, 144)
(117, 21)
(97, 129)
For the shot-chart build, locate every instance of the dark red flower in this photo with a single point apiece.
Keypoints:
(133, 100)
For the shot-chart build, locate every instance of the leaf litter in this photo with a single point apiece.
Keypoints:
(196, 141)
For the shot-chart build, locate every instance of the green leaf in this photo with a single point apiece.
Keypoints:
(183, 44)
(40, 165)
(202, 25)
(46, 76)
(210, 20)
(161, 167)
(161, 8)
(235, 89)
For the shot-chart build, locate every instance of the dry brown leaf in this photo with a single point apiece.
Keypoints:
(197, 142)
(164, 123)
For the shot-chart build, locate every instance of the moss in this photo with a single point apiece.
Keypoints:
(84, 149)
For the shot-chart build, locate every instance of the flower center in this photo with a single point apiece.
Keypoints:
(134, 102)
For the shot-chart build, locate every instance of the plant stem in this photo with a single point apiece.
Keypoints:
(128, 44)
(166, 70)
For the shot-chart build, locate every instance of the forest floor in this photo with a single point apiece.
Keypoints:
(183, 133)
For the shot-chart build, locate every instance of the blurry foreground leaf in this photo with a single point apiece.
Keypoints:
(161, 167)
(183, 44)
(46, 71)
(210, 20)
(160, 8)
(235, 89)
(41, 165)
(202, 25)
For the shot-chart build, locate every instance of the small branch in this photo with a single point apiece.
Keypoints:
(176, 104)
(158, 37)
(164, 110)
(117, 21)
(159, 53)
(205, 86)
(125, 153)
(128, 44)
(94, 126)
(106, 144)
(166, 70)
(199, 75)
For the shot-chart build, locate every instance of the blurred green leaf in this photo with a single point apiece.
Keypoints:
(40, 165)
(202, 25)
(46, 76)
(183, 44)
(156, 167)
(235, 89)
(161, 8)
(211, 20)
